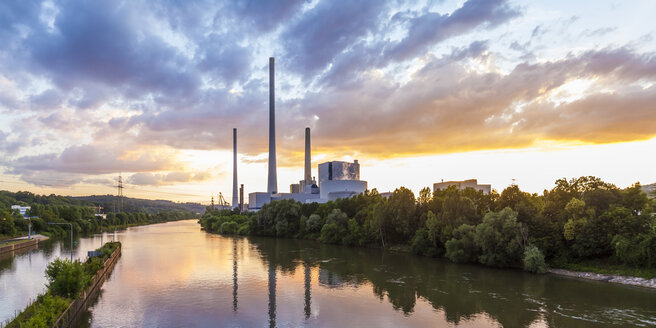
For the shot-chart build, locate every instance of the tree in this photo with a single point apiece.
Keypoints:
(499, 239)
(462, 247)
(534, 260)
(65, 278)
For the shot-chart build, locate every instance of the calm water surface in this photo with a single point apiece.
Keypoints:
(174, 275)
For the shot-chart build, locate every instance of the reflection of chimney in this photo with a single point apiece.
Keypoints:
(272, 295)
(235, 286)
(308, 282)
(272, 186)
(235, 192)
(308, 151)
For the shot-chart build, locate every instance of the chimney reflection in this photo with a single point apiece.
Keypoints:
(234, 275)
(308, 281)
(272, 294)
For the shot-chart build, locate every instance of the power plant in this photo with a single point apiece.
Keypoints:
(341, 181)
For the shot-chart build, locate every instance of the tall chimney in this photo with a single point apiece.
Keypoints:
(235, 191)
(272, 185)
(308, 159)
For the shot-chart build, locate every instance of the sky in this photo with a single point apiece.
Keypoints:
(505, 92)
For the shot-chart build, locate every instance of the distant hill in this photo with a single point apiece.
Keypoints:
(650, 189)
(130, 205)
(139, 205)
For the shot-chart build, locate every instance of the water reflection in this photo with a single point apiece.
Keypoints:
(234, 275)
(173, 275)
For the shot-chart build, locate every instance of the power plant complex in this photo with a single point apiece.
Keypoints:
(336, 179)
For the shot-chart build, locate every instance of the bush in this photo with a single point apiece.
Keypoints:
(42, 313)
(534, 260)
(462, 247)
(66, 279)
(314, 223)
(497, 236)
(332, 233)
(229, 228)
(422, 245)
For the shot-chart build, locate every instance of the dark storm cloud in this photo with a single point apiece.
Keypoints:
(99, 42)
(326, 30)
(430, 28)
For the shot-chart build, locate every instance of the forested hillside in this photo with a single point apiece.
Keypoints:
(80, 211)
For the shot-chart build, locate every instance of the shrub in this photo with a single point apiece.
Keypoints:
(314, 223)
(462, 247)
(534, 260)
(65, 278)
(229, 228)
(332, 233)
(497, 236)
(421, 244)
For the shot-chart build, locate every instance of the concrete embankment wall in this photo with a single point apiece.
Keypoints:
(79, 305)
(18, 246)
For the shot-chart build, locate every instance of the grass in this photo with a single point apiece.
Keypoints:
(608, 267)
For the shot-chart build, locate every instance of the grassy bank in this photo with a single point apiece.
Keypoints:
(66, 281)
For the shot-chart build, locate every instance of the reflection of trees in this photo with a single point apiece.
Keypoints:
(514, 298)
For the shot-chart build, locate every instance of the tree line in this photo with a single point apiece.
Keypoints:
(80, 213)
(578, 220)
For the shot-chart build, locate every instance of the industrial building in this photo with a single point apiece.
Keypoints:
(336, 179)
(340, 179)
(471, 183)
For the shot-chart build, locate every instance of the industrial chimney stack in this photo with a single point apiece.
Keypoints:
(235, 191)
(272, 186)
(308, 159)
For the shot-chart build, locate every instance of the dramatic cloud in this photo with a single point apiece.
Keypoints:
(96, 88)
(155, 179)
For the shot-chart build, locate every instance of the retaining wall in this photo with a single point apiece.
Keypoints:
(15, 247)
(79, 305)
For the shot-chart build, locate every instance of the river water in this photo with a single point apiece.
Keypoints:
(175, 275)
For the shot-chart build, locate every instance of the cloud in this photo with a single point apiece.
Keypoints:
(430, 28)
(159, 179)
(92, 160)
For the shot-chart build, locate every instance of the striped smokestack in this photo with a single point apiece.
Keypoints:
(272, 185)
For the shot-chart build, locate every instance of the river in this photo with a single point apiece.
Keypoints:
(175, 275)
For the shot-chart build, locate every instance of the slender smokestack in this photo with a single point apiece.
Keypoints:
(272, 186)
(308, 159)
(235, 186)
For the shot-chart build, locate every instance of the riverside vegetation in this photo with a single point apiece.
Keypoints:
(583, 223)
(66, 280)
(80, 213)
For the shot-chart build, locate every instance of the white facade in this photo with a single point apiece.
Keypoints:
(472, 183)
(21, 209)
(257, 199)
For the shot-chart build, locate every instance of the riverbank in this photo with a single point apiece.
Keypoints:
(624, 280)
(15, 244)
(61, 306)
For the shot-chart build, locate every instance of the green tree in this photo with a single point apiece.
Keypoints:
(499, 239)
(65, 278)
(534, 260)
(462, 247)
